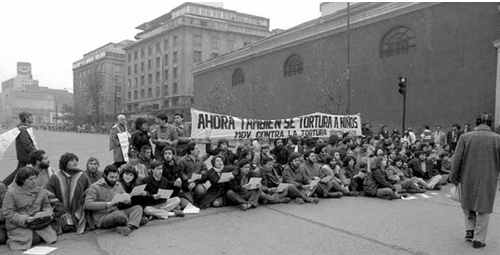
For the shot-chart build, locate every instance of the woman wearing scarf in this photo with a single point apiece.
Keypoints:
(216, 193)
(239, 192)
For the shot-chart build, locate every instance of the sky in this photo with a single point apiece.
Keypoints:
(52, 35)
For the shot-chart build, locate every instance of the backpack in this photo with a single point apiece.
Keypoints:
(369, 185)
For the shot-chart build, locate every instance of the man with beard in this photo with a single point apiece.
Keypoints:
(191, 164)
(25, 144)
(66, 190)
(172, 174)
(312, 170)
(280, 152)
(108, 214)
(41, 163)
(297, 178)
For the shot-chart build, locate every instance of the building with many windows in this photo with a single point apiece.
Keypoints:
(97, 84)
(158, 66)
(445, 50)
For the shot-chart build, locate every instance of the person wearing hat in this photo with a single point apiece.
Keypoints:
(475, 167)
(25, 145)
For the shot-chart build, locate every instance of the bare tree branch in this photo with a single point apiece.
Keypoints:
(219, 99)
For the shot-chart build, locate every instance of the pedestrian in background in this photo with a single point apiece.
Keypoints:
(476, 165)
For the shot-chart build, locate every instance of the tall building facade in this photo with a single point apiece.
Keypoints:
(23, 93)
(158, 65)
(97, 84)
(445, 50)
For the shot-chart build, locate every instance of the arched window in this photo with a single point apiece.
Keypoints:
(293, 65)
(397, 41)
(238, 77)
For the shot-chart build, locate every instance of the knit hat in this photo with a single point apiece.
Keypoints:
(293, 156)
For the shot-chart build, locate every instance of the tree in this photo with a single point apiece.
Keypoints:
(256, 98)
(94, 92)
(328, 89)
(219, 99)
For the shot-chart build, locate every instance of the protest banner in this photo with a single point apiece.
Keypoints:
(124, 144)
(206, 124)
(6, 139)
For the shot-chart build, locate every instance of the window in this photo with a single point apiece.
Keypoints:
(165, 74)
(157, 91)
(135, 94)
(142, 80)
(214, 55)
(157, 77)
(175, 72)
(238, 77)
(150, 50)
(128, 70)
(165, 60)
(135, 68)
(197, 41)
(129, 95)
(150, 79)
(157, 62)
(129, 57)
(142, 93)
(398, 40)
(215, 42)
(175, 57)
(142, 66)
(196, 56)
(135, 55)
(175, 88)
(175, 41)
(293, 65)
(129, 83)
(129, 107)
(136, 81)
(165, 89)
(142, 53)
(150, 92)
(149, 64)
(165, 44)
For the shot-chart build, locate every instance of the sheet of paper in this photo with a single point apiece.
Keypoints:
(42, 214)
(225, 177)
(424, 195)
(328, 178)
(282, 186)
(207, 184)
(120, 198)
(314, 183)
(165, 193)
(138, 190)
(40, 250)
(254, 181)
(190, 208)
(434, 193)
(196, 176)
(408, 198)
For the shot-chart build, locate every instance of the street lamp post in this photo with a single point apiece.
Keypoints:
(162, 64)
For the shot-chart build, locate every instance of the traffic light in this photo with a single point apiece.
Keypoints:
(402, 86)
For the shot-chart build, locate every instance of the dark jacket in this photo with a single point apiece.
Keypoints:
(171, 172)
(270, 178)
(228, 155)
(24, 144)
(239, 180)
(139, 139)
(216, 189)
(281, 154)
(381, 179)
(416, 167)
(188, 166)
(295, 176)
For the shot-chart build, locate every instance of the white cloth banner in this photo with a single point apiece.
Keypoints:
(124, 143)
(32, 136)
(206, 124)
(6, 140)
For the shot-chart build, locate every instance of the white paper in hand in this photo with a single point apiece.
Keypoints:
(120, 198)
(313, 183)
(165, 193)
(138, 190)
(282, 187)
(225, 177)
(196, 176)
(207, 184)
(254, 181)
(40, 250)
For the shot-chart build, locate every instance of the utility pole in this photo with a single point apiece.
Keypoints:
(348, 71)
(402, 91)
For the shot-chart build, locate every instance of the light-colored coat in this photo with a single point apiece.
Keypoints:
(98, 194)
(476, 165)
(114, 142)
(18, 205)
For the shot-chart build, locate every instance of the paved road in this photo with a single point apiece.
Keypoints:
(349, 225)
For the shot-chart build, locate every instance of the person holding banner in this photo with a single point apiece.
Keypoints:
(25, 144)
(119, 139)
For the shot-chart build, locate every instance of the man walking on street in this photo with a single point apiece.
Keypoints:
(25, 144)
(476, 165)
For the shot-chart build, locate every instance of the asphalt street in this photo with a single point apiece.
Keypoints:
(350, 225)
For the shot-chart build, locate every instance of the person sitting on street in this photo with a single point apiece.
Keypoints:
(312, 170)
(190, 164)
(172, 173)
(395, 174)
(106, 213)
(41, 163)
(25, 205)
(142, 170)
(240, 192)
(66, 190)
(280, 152)
(160, 207)
(385, 189)
(146, 155)
(425, 169)
(92, 171)
(222, 150)
(292, 175)
(216, 194)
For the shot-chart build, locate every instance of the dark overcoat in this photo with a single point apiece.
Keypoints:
(476, 165)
